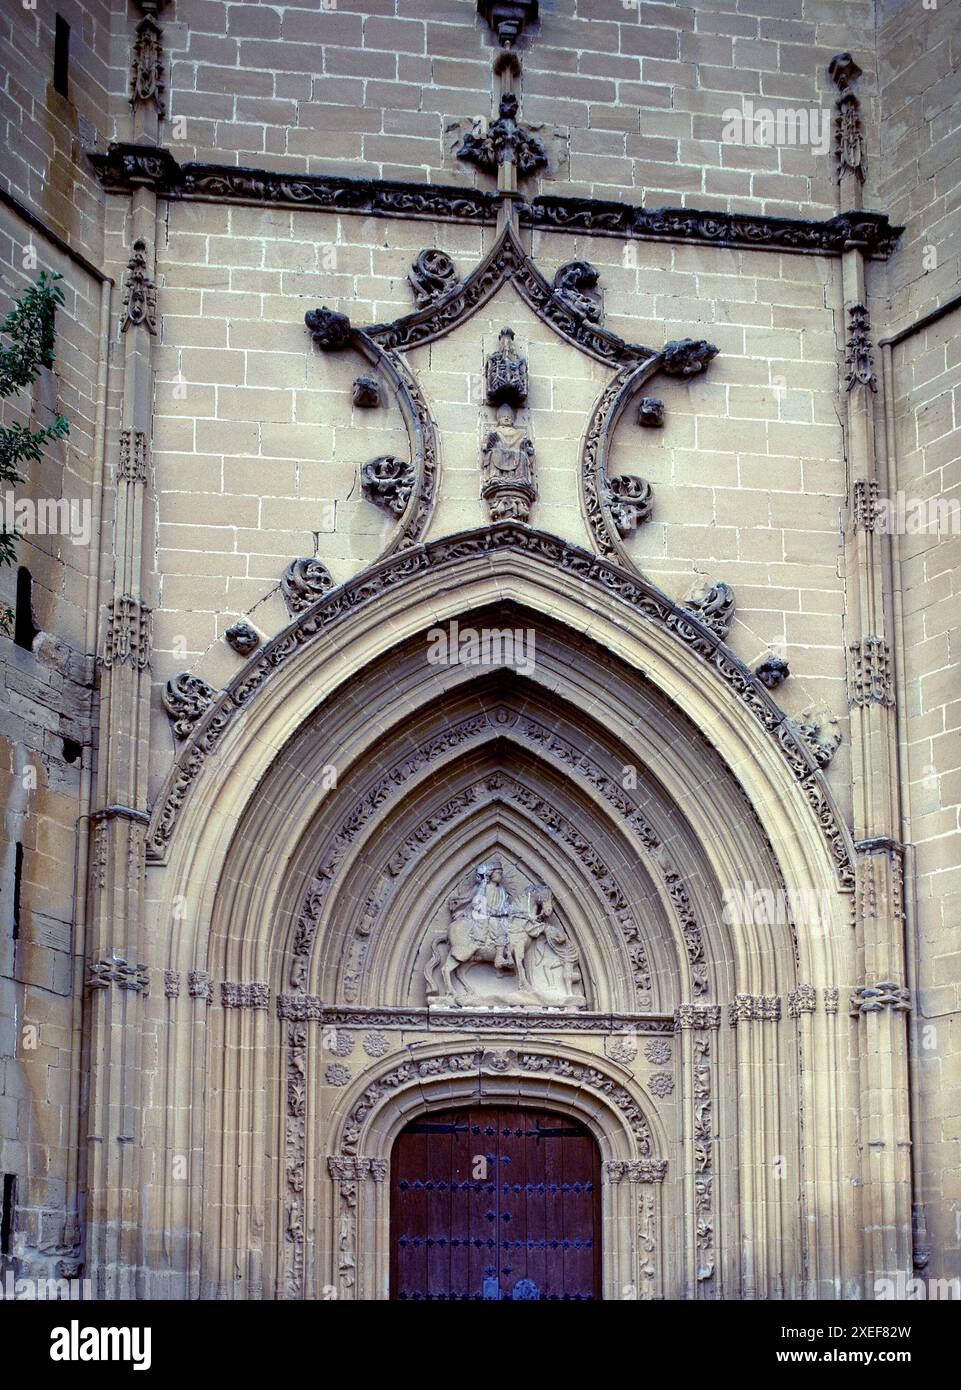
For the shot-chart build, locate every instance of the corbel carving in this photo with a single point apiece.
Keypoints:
(687, 357)
(128, 634)
(650, 412)
(713, 604)
(303, 582)
(365, 392)
(242, 637)
(388, 482)
(820, 730)
(139, 292)
(848, 131)
(185, 698)
(329, 330)
(172, 984)
(431, 276)
(772, 672)
(630, 501)
(508, 18)
(576, 284)
(859, 356)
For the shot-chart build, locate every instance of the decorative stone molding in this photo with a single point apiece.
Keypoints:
(871, 672)
(713, 604)
(329, 331)
(388, 482)
(431, 276)
(650, 412)
(508, 18)
(499, 1062)
(661, 1084)
(147, 67)
(576, 283)
(802, 1000)
(128, 634)
(172, 984)
(848, 132)
(754, 1008)
(304, 581)
(772, 672)
(186, 698)
(880, 879)
(594, 573)
(697, 1017)
(504, 142)
(295, 1161)
(630, 501)
(124, 167)
(703, 1128)
(239, 996)
(243, 638)
(139, 292)
(200, 986)
(635, 1170)
(132, 467)
(859, 355)
(365, 392)
(874, 999)
(310, 1008)
(819, 728)
(831, 999)
(864, 503)
(114, 971)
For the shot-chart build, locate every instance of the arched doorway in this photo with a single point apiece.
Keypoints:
(495, 1203)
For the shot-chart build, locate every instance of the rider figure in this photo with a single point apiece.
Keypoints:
(491, 911)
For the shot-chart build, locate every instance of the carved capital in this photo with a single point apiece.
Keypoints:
(874, 999)
(200, 986)
(172, 984)
(697, 1017)
(802, 1000)
(237, 996)
(754, 1008)
(635, 1170)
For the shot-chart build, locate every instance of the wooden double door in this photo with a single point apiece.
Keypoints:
(495, 1204)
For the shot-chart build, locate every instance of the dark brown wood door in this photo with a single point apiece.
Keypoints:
(495, 1204)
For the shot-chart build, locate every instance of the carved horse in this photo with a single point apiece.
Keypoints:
(523, 927)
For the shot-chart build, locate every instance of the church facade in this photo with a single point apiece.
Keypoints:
(481, 792)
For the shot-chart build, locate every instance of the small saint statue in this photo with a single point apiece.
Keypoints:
(507, 471)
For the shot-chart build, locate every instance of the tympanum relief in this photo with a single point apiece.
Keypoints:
(503, 947)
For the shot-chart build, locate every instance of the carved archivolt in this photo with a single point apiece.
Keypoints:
(639, 596)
